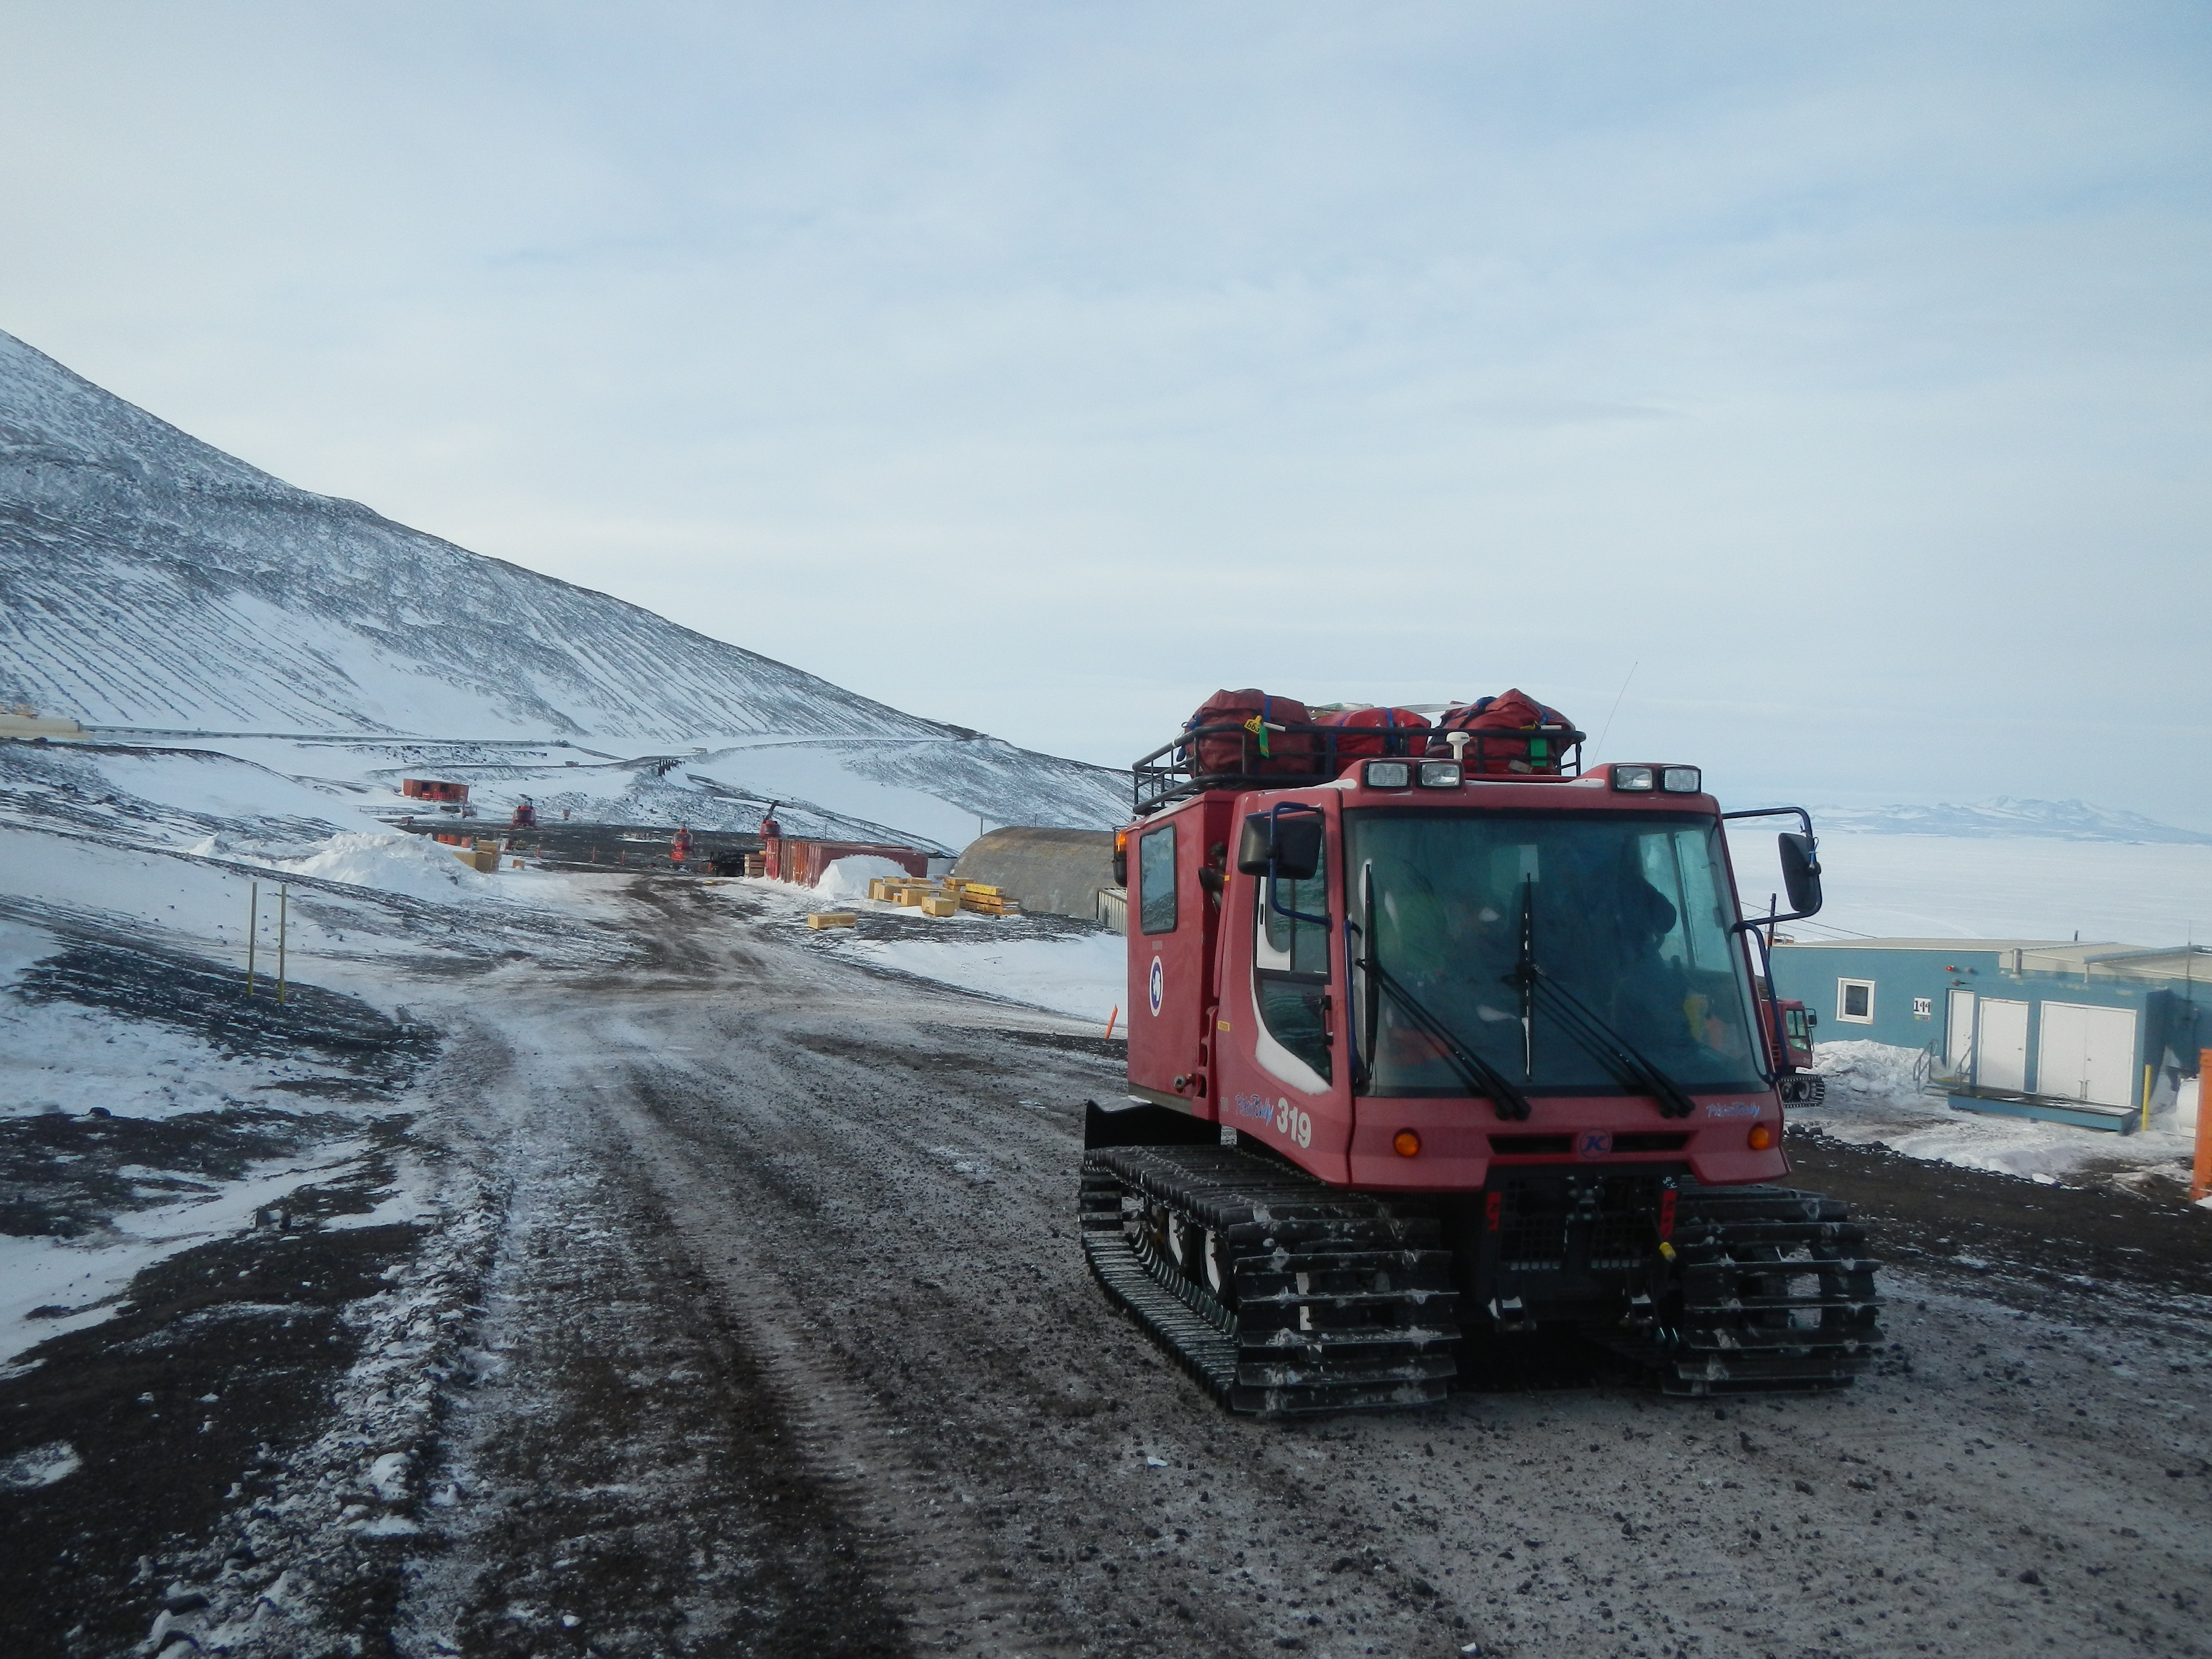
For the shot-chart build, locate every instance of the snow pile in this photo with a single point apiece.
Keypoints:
(412, 865)
(1876, 1098)
(1873, 1074)
(849, 878)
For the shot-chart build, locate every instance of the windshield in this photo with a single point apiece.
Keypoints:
(1628, 915)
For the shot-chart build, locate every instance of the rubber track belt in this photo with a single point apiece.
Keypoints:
(1336, 1301)
(1774, 1291)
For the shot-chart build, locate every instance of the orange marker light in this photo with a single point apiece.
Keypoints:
(1761, 1137)
(1407, 1143)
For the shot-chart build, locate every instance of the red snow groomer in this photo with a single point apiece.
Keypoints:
(1490, 1032)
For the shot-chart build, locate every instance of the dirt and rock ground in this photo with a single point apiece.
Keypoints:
(737, 1308)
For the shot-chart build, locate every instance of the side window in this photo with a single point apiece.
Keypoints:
(1156, 880)
(1854, 1000)
(1290, 960)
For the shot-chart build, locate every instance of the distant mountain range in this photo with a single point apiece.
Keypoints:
(150, 581)
(2006, 815)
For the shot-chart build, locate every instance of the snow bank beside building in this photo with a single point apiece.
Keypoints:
(1877, 1096)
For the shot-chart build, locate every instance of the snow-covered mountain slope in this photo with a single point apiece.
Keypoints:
(148, 580)
(2004, 815)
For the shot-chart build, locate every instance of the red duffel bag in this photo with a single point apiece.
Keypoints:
(1259, 743)
(1513, 732)
(1365, 733)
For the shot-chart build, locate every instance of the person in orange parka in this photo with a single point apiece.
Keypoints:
(680, 849)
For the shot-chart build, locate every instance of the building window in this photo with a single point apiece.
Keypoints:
(1156, 880)
(1855, 1001)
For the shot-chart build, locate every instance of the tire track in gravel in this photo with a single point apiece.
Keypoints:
(942, 1575)
(924, 1176)
(621, 1476)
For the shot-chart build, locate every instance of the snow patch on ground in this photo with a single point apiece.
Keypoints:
(40, 1465)
(87, 1275)
(1876, 1098)
(57, 1057)
(1085, 976)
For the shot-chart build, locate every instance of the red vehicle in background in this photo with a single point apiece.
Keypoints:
(1801, 1085)
(1490, 1034)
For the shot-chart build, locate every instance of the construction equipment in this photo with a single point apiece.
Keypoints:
(1488, 1030)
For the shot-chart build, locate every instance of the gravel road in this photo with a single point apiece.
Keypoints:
(785, 1345)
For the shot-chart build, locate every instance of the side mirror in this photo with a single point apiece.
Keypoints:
(1298, 847)
(1255, 845)
(1289, 845)
(1800, 872)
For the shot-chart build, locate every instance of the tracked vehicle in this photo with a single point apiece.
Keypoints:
(1492, 1036)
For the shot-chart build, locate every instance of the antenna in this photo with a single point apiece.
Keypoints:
(1599, 747)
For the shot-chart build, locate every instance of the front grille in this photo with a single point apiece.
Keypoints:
(1532, 1146)
(1576, 1223)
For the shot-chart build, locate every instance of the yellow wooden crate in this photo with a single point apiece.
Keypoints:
(832, 919)
(940, 904)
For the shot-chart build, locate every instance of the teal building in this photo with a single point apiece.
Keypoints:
(2101, 1036)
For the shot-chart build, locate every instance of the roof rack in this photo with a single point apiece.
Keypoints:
(1169, 772)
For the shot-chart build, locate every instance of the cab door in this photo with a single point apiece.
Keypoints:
(1279, 1032)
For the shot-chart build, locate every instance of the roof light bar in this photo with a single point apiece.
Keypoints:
(1674, 779)
(1442, 774)
(1388, 774)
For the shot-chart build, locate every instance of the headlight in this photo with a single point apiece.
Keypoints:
(1440, 774)
(1389, 775)
(1681, 780)
(1632, 777)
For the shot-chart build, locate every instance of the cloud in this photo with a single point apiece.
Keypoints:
(1041, 369)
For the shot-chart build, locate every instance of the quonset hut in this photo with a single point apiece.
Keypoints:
(2100, 1036)
(1056, 872)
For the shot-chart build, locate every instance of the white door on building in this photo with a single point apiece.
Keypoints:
(1959, 1034)
(2086, 1054)
(2001, 1045)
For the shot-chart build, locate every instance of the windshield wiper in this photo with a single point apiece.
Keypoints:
(1480, 1077)
(1630, 1066)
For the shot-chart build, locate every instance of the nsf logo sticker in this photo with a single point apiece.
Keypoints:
(1158, 985)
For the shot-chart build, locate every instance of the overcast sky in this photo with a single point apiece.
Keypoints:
(1843, 370)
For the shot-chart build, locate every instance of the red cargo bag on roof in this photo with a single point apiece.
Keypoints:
(1510, 734)
(1259, 745)
(1364, 734)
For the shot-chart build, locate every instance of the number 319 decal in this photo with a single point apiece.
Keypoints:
(1293, 1124)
